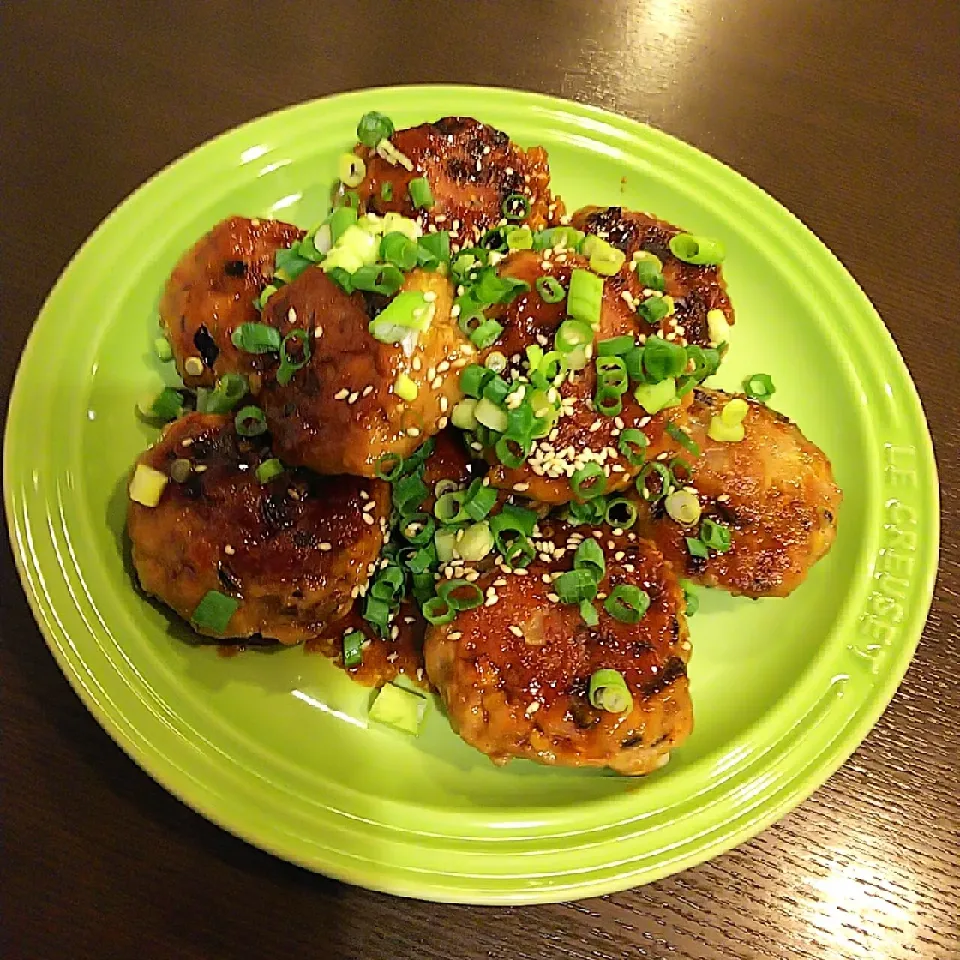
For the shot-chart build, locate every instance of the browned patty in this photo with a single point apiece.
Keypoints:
(696, 290)
(526, 695)
(774, 489)
(341, 413)
(292, 550)
(529, 320)
(471, 168)
(212, 291)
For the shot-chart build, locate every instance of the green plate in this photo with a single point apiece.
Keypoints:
(276, 747)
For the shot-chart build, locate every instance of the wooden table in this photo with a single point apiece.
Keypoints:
(849, 113)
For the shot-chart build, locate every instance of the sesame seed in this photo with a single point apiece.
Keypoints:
(431, 295)
(442, 423)
(292, 315)
(443, 366)
(532, 709)
(318, 332)
(367, 390)
(199, 468)
(186, 442)
(367, 519)
(229, 550)
(515, 630)
(326, 546)
(417, 364)
(341, 394)
(353, 398)
(553, 598)
(444, 405)
(413, 432)
(521, 487)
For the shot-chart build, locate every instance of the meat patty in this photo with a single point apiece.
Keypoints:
(212, 291)
(472, 168)
(341, 412)
(581, 434)
(514, 673)
(696, 290)
(294, 550)
(774, 490)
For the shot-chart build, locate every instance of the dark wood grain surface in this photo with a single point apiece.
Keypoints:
(848, 112)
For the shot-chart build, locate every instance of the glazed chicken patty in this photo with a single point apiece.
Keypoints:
(472, 169)
(293, 550)
(212, 291)
(342, 411)
(581, 434)
(514, 673)
(774, 490)
(696, 290)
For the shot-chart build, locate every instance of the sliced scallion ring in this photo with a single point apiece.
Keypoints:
(608, 691)
(627, 603)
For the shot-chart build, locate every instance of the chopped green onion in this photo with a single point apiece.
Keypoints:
(585, 296)
(269, 470)
(397, 248)
(550, 289)
(490, 415)
(340, 220)
(759, 387)
(519, 238)
(462, 416)
(516, 207)
(386, 191)
(715, 535)
(377, 613)
(434, 249)
(265, 294)
(608, 401)
(572, 334)
(690, 598)
(512, 451)
(621, 513)
(512, 517)
(353, 648)
(374, 127)
(575, 586)
(608, 691)
(480, 500)
(418, 528)
(612, 373)
(163, 349)
(256, 338)
(677, 466)
(231, 388)
(473, 379)
(697, 548)
(476, 542)
(615, 346)
(568, 237)
(663, 476)
(683, 438)
(588, 556)
(214, 611)
(452, 593)
(519, 553)
(683, 506)
(632, 444)
(604, 257)
(663, 359)
(654, 397)
(389, 467)
(705, 361)
(166, 405)
(590, 511)
(250, 422)
(653, 309)
(701, 251)
(485, 334)
(420, 193)
(290, 263)
(589, 613)
(288, 365)
(589, 481)
(650, 272)
(449, 507)
(438, 612)
(409, 492)
(408, 311)
(627, 603)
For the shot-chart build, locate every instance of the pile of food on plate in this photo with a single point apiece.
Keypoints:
(458, 439)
